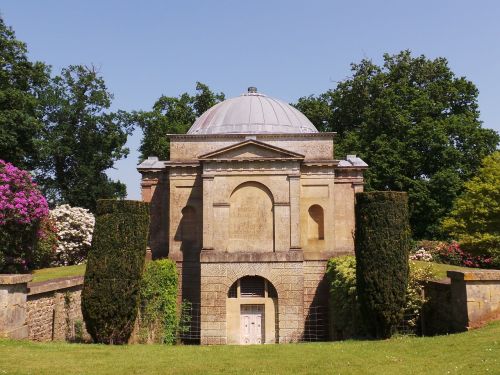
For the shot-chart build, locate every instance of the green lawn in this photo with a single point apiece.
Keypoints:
(440, 269)
(57, 272)
(474, 352)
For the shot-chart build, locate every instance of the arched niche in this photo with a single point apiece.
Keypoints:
(316, 223)
(252, 311)
(251, 218)
(188, 229)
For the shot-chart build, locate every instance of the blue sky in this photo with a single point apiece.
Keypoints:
(287, 49)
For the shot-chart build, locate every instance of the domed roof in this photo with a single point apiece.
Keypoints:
(252, 113)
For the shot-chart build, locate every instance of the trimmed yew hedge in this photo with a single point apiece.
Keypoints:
(382, 244)
(111, 289)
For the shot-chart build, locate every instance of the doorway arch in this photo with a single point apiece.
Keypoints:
(252, 311)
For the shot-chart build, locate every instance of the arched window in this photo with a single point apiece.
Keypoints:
(316, 223)
(252, 286)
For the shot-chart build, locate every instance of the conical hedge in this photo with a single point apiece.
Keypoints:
(382, 243)
(110, 295)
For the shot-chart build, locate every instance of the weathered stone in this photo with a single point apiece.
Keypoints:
(275, 206)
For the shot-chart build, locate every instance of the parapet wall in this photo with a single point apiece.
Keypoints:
(43, 311)
(467, 300)
(54, 310)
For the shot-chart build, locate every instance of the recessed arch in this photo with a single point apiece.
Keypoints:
(252, 311)
(188, 228)
(316, 223)
(251, 218)
(252, 286)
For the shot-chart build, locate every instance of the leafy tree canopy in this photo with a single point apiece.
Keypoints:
(172, 115)
(80, 139)
(475, 218)
(417, 126)
(21, 83)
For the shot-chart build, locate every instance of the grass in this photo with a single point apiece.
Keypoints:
(440, 269)
(58, 272)
(473, 352)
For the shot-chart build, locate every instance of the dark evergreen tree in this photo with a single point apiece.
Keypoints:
(382, 243)
(111, 290)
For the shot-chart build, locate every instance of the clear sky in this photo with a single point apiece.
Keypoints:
(287, 49)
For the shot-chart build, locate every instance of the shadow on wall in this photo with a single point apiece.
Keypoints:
(316, 319)
(158, 229)
(189, 234)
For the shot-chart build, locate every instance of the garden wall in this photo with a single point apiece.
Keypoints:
(43, 311)
(54, 310)
(468, 300)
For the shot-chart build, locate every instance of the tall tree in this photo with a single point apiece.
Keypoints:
(80, 139)
(417, 126)
(475, 218)
(172, 115)
(21, 83)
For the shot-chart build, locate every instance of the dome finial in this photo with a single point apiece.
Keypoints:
(252, 90)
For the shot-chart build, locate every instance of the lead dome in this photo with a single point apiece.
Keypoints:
(252, 113)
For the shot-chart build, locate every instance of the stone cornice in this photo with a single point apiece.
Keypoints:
(261, 136)
(214, 256)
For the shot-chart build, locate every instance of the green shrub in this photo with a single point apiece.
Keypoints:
(158, 308)
(382, 244)
(47, 244)
(110, 296)
(474, 220)
(345, 316)
(415, 299)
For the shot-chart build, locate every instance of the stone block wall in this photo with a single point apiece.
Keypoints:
(217, 278)
(475, 296)
(54, 310)
(315, 300)
(468, 300)
(438, 309)
(13, 289)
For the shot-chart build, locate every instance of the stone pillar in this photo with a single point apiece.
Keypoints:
(281, 226)
(208, 212)
(221, 228)
(475, 297)
(294, 212)
(13, 295)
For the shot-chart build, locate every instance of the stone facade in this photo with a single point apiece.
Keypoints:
(271, 206)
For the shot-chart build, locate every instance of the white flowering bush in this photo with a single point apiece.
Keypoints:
(421, 254)
(75, 226)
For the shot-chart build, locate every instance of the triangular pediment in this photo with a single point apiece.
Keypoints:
(251, 150)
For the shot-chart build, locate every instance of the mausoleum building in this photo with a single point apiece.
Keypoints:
(251, 205)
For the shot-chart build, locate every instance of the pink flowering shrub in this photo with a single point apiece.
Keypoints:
(451, 253)
(22, 207)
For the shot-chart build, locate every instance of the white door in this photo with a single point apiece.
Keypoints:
(252, 324)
